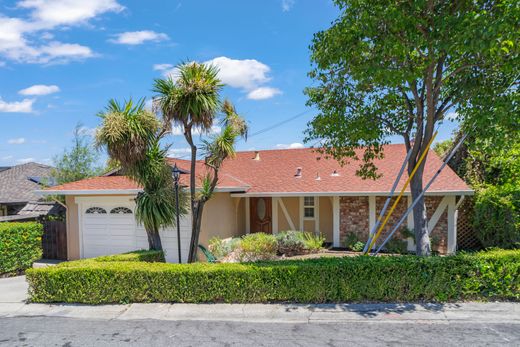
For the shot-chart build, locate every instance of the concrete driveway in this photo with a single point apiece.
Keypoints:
(13, 289)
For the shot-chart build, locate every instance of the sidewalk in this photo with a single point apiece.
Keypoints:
(13, 293)
(283, 313)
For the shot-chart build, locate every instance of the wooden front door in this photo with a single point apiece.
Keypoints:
(261, 215)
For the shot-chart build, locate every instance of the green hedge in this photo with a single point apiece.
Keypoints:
(491, 275)
(20, 246)
(141, 255)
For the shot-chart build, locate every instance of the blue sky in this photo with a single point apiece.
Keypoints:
(62, 60)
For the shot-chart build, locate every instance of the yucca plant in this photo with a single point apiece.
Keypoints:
(131, 135)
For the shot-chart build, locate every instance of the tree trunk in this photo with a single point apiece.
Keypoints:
(420, 220)
(196, 220)
(154, 240)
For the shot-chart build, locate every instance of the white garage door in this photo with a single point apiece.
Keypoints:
(108, 226)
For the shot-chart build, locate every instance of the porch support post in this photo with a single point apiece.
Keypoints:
(371, 212)
(275, 215)
(452, 225)
(301, 213)
(248, 217)
(335, 221)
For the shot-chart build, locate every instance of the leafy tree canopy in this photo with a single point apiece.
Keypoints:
(78, 162)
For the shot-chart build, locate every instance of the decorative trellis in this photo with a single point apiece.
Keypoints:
(466, 235)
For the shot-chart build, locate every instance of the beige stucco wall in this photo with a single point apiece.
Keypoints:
(72, 228)
(220, 218)
(293, 206)
(326, 222)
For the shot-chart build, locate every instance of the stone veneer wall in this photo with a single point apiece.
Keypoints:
(354, 218)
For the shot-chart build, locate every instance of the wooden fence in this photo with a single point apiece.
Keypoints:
(54, 240)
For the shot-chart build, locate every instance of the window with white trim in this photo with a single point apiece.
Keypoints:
(121, 210)
(309, 207)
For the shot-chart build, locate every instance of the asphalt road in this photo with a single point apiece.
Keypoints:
(57, 331)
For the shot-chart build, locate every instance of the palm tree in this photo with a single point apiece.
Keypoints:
(191, 100)
(131, 136)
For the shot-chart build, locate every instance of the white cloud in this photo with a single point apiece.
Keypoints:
(290, 146)
(40, 89)
(25, 160)
(139, 37)
(26, 40)
(51, 13)
(178, 130)
(249, 75)
(24, 106)
(263, 93)
(245, 74)
(287, 5)
(162, 67)
(17, 141)
(7, 157)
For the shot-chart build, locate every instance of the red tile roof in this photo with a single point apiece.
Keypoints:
(276, 169)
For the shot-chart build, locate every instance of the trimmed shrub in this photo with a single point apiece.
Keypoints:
(20, 246)
(492, 275)
(150, 256)
(290, 242)
(497, 216)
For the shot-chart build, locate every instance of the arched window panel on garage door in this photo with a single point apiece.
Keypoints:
(95, 210)
(121, 210)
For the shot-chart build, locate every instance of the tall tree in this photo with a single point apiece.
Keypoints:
(397, 67)
(77, 162)
(132, 136)
(191, 101)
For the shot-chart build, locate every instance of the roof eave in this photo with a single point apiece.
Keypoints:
(339, 193)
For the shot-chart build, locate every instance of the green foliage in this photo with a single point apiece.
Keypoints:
(150, 256)
(442, 148)
(221, 248)
(396, 246)
(78, 162)
(290, 242)
(257, 246)
(497, 216)
(353, 243)
(20, 246)
(358, 246)
(491, 275)
(313, 243)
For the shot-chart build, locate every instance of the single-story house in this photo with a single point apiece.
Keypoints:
(18, 199)
(268, 191)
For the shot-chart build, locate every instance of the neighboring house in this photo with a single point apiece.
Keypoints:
(17, 188)
(269, 191)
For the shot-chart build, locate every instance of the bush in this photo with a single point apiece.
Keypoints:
(257, 246)
(20, 246)
(491, 275)
(149, 256)
(497, 216)
(397, 246)
(221, 248)
(290, 242)
(353, 243)
(313, 243)
(357, 247)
